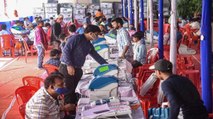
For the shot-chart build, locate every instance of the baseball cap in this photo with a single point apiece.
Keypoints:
(162, 65)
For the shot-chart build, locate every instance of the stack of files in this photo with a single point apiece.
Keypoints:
(106, 111)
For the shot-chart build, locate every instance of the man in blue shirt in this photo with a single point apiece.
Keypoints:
(55, 55)
(81, 29)
(180, 92)
(73, 58)
(87, 18)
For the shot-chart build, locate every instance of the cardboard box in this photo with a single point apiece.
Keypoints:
(106, 5)
(50, 5)
(38, 10)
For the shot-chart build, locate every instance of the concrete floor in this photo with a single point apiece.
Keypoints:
(11, 79)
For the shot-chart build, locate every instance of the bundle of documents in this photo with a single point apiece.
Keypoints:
(109, 110)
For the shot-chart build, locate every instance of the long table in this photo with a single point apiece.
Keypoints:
(125, 90)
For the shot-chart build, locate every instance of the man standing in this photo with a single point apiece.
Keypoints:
(73, 58)
(40, 42)
(180, 92)
(45, 103)
(56, 29)
(123, 40)
(87, 18)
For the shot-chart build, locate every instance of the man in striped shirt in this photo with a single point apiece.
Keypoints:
(123, 40)
(45, 103)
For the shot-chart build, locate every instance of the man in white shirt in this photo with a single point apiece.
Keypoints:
(123, 40)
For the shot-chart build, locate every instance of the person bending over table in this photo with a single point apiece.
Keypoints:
(180, 92)
(73, 58)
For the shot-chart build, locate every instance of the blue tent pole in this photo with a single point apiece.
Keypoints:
(131, 13)
(160, 30)
(142, 16)
(126, 8)
(205, 55)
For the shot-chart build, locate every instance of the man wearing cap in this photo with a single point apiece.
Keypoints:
(180, 92)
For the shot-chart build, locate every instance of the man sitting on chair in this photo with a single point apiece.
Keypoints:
(45, 103)
(55, 55)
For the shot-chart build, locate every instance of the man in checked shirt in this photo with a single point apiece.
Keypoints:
(73, 58)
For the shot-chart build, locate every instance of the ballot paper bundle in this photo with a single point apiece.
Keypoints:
(108, 110)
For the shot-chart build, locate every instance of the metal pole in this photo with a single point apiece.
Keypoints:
(173, 34)
(126, 8)
(160, 30)
(131, 13)
(123, 10)
(142, 16)
(136, 14)
(205, 55)
(147, 16)
(151, 23)
(129, 10)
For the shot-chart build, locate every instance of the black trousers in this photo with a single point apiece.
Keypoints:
(71, 83)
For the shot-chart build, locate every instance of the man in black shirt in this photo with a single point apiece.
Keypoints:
(56, 31)
(180, 92)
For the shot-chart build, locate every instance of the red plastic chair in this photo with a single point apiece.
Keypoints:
(185, 63)
(193, 75)
(135, 71)
(145, 25)
(152, 56)
(25, 93)
(32, 81)
(50, 68)
(141, 69)
(22, 110)
(150, 99)
(166, 28)
(28, 50)
(210, 115)
(7, 43)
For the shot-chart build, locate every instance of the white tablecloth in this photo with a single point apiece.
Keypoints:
(125, 92)
(125, 89)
